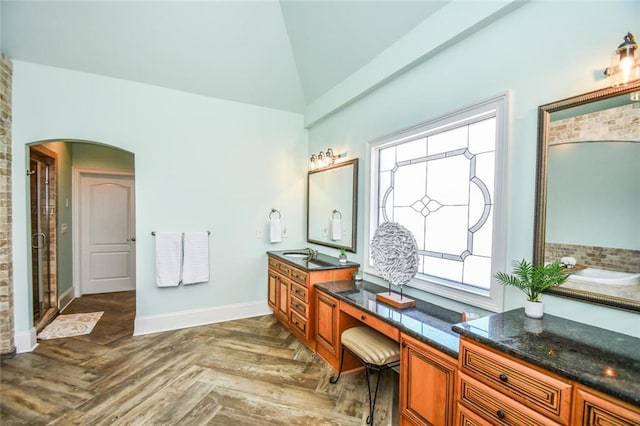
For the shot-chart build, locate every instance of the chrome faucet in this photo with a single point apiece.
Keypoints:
(312, 253)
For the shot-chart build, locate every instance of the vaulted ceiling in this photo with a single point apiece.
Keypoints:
(279, 54)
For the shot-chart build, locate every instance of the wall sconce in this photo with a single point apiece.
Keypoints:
(323, 159)
(625, 66)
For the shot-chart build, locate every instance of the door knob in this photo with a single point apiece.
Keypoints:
(133, 239)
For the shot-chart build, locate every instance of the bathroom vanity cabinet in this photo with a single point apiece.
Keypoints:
(502, 369)
(290, 291)
(497, 388)
(553, 372)
(427, 384)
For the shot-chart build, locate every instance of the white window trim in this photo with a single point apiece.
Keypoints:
(493, 299)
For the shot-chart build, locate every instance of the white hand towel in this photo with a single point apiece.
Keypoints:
(275, 230)
(168, 258)
(336, 229)
(195, 266)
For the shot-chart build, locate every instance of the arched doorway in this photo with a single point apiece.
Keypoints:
(58, 241)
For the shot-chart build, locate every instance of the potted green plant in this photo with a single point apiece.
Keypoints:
(532, 280)
(343, 255)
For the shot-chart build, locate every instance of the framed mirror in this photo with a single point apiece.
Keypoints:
(332, 194)
(588, 194)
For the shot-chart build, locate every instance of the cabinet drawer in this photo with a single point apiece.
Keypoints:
(299, 276)
(466, 417)
(373, 322)
(527, 385)
(299, 292)
(496, 407)
(299, 323)
(298, 306)
(283, 268)
(592, 408)
(273, 263)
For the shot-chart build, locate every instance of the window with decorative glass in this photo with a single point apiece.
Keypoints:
(442, 180)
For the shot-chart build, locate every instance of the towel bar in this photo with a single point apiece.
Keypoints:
(154, 233)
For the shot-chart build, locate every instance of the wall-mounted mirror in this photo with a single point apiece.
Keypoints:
(332, 194)
(588, 194)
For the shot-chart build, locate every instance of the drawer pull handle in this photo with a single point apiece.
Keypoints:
(363, 317)
(503, 377)
(404, 344)
(500, 414)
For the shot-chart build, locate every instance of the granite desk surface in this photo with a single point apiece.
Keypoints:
(603, 360)
(426, 322)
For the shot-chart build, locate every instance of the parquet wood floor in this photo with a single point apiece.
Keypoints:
(244, 372)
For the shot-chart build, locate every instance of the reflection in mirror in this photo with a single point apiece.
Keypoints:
(331, 205)
(588, 194)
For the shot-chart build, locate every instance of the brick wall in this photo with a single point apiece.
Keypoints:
(7, 344)
(612, 259)
(614, 124)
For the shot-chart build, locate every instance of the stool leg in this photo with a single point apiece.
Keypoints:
(334, 379)
(372, 401)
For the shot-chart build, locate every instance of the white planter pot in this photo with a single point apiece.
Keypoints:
(533, 309)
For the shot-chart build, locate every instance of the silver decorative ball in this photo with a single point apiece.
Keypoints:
(395, 253)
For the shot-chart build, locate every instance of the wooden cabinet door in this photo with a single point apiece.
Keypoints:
(427, 382)
(327, 322)
(272, 290)
(283, 299)
(594, 408)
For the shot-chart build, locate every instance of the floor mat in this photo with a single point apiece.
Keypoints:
(70, 325)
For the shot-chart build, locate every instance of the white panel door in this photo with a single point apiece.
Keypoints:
(107, 233)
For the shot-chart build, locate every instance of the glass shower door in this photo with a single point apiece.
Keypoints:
(41, 211)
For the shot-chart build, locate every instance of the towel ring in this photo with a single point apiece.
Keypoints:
(275, 211)
(336, 211)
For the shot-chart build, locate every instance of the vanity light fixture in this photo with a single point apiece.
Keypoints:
(323, 159)
(625, 65)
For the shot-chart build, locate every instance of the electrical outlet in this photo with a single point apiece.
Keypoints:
(284, 232)
(325, 232)
(259, 233)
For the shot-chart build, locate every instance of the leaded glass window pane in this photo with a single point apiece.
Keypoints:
(441, 187)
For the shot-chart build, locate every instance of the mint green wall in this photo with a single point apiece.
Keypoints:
(593, 196)
(95, 156)
(200, 164)
(539, 53)
(204, 163)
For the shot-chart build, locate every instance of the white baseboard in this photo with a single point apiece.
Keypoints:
(193, 318)
(66, 298)
(25, 340)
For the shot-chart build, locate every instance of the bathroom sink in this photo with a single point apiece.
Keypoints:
(295, 254)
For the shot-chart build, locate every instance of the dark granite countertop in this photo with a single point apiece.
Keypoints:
(319, 262)
(426, 322)
(601, 359)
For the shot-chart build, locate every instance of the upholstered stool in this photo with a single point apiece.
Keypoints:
(376, 352)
